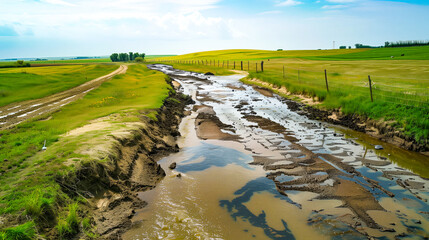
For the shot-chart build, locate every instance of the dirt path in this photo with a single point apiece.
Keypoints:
(15, 113)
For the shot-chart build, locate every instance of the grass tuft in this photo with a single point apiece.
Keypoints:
(25, 231)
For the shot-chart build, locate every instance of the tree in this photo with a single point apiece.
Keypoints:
(143, 55)
(139, 59)
(131, 56)
(114, 57)
(136, 55)
(123, 57)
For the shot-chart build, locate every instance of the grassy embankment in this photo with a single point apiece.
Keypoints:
(20, 84)
(400, 84)
(28, 192)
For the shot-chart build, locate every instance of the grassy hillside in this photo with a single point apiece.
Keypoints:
(27, 179)
(409, 53)
(400, 86)
(19, 84)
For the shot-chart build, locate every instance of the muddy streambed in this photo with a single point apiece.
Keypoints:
(249, 168)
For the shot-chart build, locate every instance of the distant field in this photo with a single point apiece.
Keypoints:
(93, 60)
(157, 56)
(19, 84)
(400, 84)
(410, 53)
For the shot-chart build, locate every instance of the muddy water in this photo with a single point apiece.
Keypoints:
(282, 176)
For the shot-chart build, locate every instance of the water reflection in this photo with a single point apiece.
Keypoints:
(213, 156)
(237, 209)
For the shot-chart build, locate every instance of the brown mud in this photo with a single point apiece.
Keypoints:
(378, 129)
(111, 186)
(208, 125)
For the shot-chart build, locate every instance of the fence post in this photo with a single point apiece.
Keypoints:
(234, 64)
(370, 87)
(326, 80)
(241, 65)
(248, 66)
(262, 66)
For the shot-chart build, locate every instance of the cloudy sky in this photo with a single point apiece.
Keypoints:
(50, 28)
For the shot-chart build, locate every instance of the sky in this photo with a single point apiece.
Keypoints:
(54, 28)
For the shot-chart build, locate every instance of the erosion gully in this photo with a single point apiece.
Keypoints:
(249, 168)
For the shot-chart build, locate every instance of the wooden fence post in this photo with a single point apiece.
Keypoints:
(241, 65)
(370, 87)
(326, 80)
(262, 66)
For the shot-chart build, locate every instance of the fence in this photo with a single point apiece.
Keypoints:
(411, 92)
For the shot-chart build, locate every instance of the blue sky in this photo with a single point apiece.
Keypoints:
(49, 28)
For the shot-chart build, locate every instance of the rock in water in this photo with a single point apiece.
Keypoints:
(208, 74)
(173, 165)
(378, 147)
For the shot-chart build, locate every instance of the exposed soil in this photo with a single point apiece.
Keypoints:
(16, 113)
(209, 126)
(111, 186)
(379, 129)
(306, 163)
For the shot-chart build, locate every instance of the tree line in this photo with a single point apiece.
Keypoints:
(125, 57)
(406, 43)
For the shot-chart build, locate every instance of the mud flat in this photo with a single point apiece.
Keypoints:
(379, 129)
(251, 165)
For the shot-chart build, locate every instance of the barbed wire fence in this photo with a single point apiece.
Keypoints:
(409, 92)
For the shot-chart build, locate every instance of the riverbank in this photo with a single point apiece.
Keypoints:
(83, 183)
(313, 109)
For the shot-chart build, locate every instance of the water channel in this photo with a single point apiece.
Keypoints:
(250, 168)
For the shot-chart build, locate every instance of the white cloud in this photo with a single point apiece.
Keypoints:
(58, 2)
(289, 3)
(341, 1)
(270, 12)
(333, 6)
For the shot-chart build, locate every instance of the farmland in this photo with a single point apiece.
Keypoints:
(20, 84)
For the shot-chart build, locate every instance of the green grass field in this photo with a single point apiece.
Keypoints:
(400, 84)
(27, 179)
(19, 84)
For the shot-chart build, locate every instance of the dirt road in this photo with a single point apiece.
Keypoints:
(15, 113)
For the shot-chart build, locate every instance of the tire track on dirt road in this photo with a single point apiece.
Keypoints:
(15, 113)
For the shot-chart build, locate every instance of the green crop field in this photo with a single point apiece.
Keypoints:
(91, 60)
(27, 179)
(400, 85)
(19, 84)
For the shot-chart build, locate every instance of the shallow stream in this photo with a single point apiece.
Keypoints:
(280, 175)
